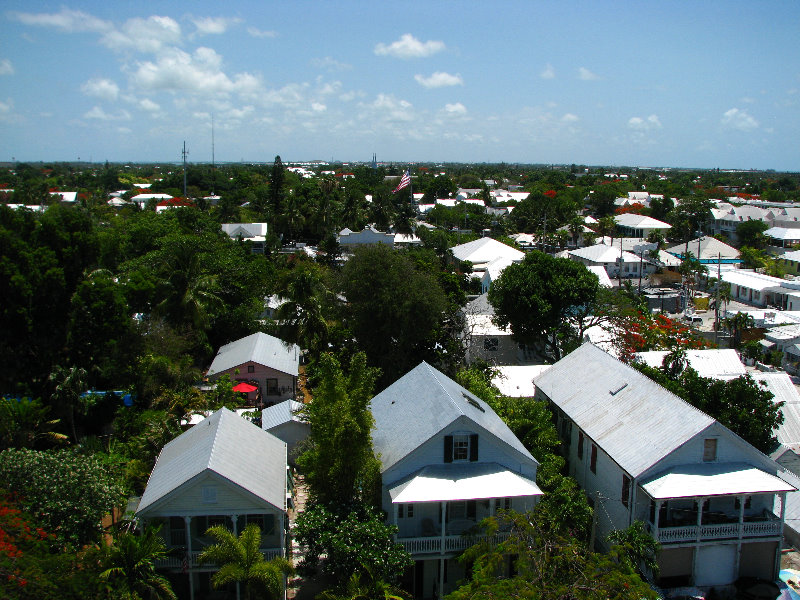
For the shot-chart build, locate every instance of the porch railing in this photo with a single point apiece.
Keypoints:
(718, 531)
(185, 560)
(448, 544)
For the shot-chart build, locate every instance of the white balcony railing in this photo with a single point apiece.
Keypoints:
(719, 531)
(446, 545)
(181, 560)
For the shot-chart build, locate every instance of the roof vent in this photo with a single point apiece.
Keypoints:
(618, 390)
(473, 402)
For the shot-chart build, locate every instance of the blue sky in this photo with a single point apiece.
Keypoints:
(676, 84)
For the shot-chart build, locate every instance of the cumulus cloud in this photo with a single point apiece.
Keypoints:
(409, 47)
(105, 89)
(569, 118)
(647, 124)
(6, 68)
(390, 109)
(439, 79)
(199, 72)
(258, 33)
(98, 114)
(586, 75)
(318, 107)
(214, 25)
(739, 119)
(330, 64)
(548, 72)
(455, 109)
(148, 105)
(68, 21)
(144, 35)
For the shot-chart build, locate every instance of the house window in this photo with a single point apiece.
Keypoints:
(504, 503)
(251, 368)
(209, 494)
(407, 509)
(460, 447)
(272, 387)
(463, 509)
(491, 344)
(580, 445)
(626, 490)
(709, 450)
(593, 459)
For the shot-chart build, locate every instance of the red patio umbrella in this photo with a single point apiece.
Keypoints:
(244, 387)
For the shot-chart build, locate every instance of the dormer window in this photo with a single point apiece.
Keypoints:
(461, 447)
(709, 450)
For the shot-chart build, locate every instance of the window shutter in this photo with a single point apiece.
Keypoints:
(448, 448)
(473, 447)
(471, 509)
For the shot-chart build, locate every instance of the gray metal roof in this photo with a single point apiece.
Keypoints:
(280, 413)
(258, 348)
(614, 404)
(421, 404)
(228, 445)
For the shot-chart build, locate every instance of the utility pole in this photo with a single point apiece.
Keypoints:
(716, 304)
(184, 167)
(213, 162)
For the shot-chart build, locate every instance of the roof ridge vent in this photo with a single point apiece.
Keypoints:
(618, 390)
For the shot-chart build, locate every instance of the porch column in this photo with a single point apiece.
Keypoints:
(188, 521)
(444, 527)
(282, 532)
(395, 511)
(235, 518)
(492, 505)
(777, 568)
(741, 533)
(700, 502)
(657, 518)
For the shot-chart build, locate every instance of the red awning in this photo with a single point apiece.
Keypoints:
(244, 387)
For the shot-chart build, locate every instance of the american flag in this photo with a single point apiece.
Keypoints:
(405, 181)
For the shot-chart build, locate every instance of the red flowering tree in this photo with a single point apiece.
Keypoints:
(550, 193)
(20, 542)
(640, 332)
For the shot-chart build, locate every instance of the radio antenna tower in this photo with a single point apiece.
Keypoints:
(213, 162)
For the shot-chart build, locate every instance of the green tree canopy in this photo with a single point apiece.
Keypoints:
(539, 299)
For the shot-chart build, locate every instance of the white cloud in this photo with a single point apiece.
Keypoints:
(258, 33)
(648, 124)
(144, 35)
(318, 107)
(149, 105)
(739, 119)
(548, 72)
(409, 47)
(569, 118)
(199, 73)
(390, 109)
(6, 107)
(105, 89)
(98, 114)
(330, 64)
(586, 75)
(6, 68)
(455, 109)
(214, 25)
(68, 21)
(439, 79)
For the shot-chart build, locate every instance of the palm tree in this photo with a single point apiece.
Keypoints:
(364, 586)
(68, 385)
(240, 561)
(129, 566)
(301, 318)
(25, 424)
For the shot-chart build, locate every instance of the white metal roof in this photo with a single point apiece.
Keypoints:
(278, 414)
(709, 249)
(716, 364)
(640, 222)
(473, 481)
(614, 403)
(783, 390)
(485, 250)
(422, 403)
(713, 479)
(751, 280)
(783, 233)
(228, 445)
(602, 275)
(258, 348)
(601, 253)
(516, 381)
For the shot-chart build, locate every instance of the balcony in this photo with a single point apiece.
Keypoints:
(718, 527)
(445, 545)
(176, 559)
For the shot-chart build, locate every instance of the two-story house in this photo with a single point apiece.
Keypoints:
(447, 462)
(223, 471)
(642, 453)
